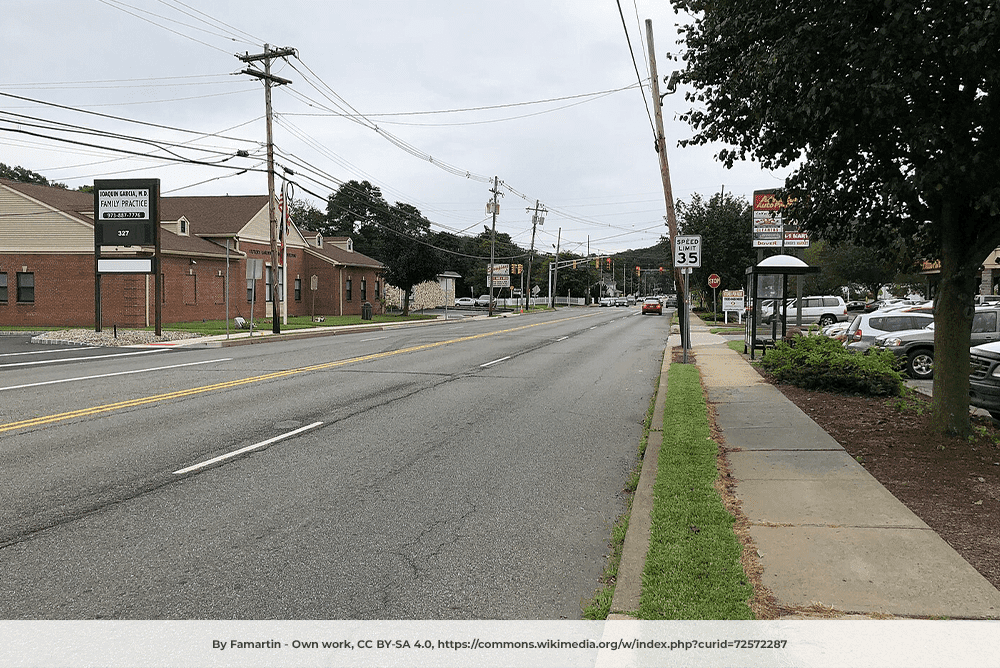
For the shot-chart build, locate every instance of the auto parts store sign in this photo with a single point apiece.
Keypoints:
(771, 228)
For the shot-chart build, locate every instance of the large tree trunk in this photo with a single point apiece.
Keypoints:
(406, 304)
(953, 310)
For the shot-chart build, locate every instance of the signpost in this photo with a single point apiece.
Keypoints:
(714, 282)
(732, 300)
(127, 214)
(687, 256)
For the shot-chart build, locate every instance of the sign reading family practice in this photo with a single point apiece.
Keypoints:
(125, 212)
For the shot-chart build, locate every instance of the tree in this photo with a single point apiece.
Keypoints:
(406, 252)
(359, 211)
(725, 224)
(885, 113)
(23, 175)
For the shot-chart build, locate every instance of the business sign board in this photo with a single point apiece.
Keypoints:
(125, 212)
(732, 300)
(497, 281)
(771, 227)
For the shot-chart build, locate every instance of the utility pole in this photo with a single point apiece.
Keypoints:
(661, 149)
(537, 218)
(494, 208)
(269, 80)
(555, 278)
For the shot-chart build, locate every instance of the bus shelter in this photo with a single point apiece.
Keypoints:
(767, 288)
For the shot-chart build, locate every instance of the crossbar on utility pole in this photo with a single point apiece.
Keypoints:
(270, 79)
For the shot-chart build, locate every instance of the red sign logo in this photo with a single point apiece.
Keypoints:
(714, 281)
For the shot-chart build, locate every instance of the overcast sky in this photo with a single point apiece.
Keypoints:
(519, 89)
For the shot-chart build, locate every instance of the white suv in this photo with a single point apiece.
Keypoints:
(824, 310)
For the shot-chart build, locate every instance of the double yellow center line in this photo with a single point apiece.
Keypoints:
(132, 403)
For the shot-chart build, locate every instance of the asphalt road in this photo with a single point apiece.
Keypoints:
(462, 471)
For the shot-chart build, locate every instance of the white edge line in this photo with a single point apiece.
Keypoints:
(502, 359)
(562, 339)
(50, 351)
(84, 358)
(108, 375)
(248, 448)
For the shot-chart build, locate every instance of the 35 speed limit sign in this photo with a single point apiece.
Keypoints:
(687, 251)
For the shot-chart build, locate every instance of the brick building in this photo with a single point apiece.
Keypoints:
(47, 268)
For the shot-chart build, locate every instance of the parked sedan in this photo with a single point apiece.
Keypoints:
(984, 379)
(465, 301)
(651, 305)
(482, 300)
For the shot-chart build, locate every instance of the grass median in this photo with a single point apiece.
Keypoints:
(693, 566)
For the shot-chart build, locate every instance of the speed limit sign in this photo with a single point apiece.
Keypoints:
(687, 251)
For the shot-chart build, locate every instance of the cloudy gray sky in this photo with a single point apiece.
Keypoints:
(404, 93)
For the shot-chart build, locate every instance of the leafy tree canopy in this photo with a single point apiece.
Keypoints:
(885, 112)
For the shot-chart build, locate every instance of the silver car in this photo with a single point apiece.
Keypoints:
(867, 326)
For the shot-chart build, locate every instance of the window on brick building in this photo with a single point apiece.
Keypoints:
(347, 290)
(26, 287)
(3, 288)
(376, 290)
(364, 289)
(298, 289)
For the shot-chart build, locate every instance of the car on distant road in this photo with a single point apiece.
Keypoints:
(651, 305)
(916, 346)
(607, 301)
(482, 300)
(621, 301)
(465, 301)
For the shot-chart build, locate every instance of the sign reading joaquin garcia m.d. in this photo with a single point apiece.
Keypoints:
(125, 212)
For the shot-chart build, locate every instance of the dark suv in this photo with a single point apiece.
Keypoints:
(916, 346)
(984, 379)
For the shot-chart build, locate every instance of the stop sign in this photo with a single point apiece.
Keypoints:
(714, 281)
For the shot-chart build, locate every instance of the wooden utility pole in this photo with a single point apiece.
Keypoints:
(494, 208)
(537, 218)
(668, 193)
(269, 79)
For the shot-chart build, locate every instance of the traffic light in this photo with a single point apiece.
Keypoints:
(638, 272)
(661, 270)
(609, 262)
(597, 263)
(574, 264)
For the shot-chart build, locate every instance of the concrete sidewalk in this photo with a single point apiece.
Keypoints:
(829, 536)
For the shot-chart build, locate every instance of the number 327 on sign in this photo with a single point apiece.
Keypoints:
(687, 251)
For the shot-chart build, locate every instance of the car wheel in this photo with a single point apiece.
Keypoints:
(920, 364)
(827, 320)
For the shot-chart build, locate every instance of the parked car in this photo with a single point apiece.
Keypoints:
(652, 305)
(866, 327)
(916, 346)
(984, 378)
(607, 301)
(824, 310)
(465, 301)
(670, 301)
(855, 306)
(621, 301)
(482, 300)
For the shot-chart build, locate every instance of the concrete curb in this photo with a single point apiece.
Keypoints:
(628, 587)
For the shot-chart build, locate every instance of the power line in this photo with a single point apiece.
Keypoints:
(636, 65)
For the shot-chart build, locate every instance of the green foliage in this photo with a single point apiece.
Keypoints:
(692, 568)
(821, 363)
(725, 225)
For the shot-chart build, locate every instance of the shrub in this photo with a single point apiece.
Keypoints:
(820, 363)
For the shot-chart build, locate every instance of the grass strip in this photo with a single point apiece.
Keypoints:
(693, 566)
